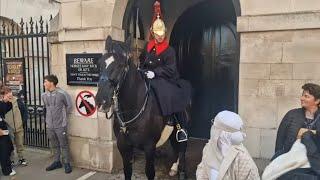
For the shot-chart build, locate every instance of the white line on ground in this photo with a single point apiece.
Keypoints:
(86, 176)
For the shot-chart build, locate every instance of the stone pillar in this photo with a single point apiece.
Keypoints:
(82, 27)
(279, 52)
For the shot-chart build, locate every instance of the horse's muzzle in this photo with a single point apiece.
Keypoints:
(100, 107)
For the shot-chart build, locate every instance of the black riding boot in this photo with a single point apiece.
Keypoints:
(171, 120)
(181, 125)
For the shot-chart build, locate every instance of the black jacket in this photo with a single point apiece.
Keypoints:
(287, 135)
(173, 93)
(6, 146)
(23, 110)
(288, 130)
(4, 108)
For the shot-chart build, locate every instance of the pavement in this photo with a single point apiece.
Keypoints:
(40, 159)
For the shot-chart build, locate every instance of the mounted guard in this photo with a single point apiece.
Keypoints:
(158, 61)
(142, 100)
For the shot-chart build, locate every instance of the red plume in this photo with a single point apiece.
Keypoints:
(156, 12)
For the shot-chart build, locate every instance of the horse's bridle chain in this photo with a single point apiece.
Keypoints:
(124, 124)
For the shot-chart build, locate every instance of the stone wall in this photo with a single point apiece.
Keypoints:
(82, 27)
(261, 7)
(279, 52)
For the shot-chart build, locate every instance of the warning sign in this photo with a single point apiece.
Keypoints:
(85, 103)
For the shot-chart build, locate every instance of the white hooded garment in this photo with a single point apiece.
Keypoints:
(224, 156)
(295, 158)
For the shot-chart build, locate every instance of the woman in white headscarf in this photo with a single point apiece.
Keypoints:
(224, 156)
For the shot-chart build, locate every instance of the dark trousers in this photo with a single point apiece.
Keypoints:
(6, 149)
(59, 143)
(182, 119)
(300, 174)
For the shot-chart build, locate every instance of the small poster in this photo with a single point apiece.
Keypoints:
(83, 69)
(86, 104)
(14, 75)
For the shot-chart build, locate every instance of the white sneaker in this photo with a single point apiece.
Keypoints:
(13, 172)
(23, 162)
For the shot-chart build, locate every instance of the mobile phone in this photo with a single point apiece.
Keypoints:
(6, 132)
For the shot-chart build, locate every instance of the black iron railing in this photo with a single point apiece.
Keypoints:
(28, 41)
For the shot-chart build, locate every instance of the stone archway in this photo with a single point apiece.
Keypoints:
(173, 12)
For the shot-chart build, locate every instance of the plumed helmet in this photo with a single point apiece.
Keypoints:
(158, 27)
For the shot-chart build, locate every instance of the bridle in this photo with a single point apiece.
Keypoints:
(124, 124)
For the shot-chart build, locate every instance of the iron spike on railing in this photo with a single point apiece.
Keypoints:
(17, 29)
(41, 24)
(27, 28)
(31, 25)
(51, 17)
(12, 27)
(3, 28)
(8, 30)
(37, 29)
(47, 27)
(21, 26)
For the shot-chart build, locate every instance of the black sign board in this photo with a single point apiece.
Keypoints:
(14, 74)
(83, 69)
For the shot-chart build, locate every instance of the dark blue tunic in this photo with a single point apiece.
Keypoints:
(173, 94)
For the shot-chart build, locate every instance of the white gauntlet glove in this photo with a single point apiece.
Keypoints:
(150, 74)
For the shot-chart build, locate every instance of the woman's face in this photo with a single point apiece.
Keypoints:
(308, 101)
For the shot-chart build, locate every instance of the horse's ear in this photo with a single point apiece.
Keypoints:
(108, 45)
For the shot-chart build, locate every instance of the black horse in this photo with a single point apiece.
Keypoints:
(138, 123)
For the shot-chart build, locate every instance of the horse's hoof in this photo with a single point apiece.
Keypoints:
(182, 176)
(173, 172)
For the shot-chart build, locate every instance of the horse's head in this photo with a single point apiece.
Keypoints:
(113, 66)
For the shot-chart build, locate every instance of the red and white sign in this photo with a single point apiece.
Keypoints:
(85, 104)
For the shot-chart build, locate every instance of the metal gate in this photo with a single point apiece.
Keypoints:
(27, 41)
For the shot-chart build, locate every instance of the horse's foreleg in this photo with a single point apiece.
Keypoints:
(127, 165)
(127, 158)
(150, 156)
(182, 160)
(174, 168)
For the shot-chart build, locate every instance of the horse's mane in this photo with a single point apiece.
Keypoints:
(119, 47)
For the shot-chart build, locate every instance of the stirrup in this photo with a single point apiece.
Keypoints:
(181, 134)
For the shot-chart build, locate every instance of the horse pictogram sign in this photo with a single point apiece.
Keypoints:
(85, 103)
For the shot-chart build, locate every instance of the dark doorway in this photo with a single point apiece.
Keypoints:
(205, 40)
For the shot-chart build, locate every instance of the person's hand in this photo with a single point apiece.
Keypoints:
(2, 133)
(150, 74)
(8, 97)
(302, 131)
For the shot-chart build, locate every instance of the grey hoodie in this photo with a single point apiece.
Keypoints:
(58, 105)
